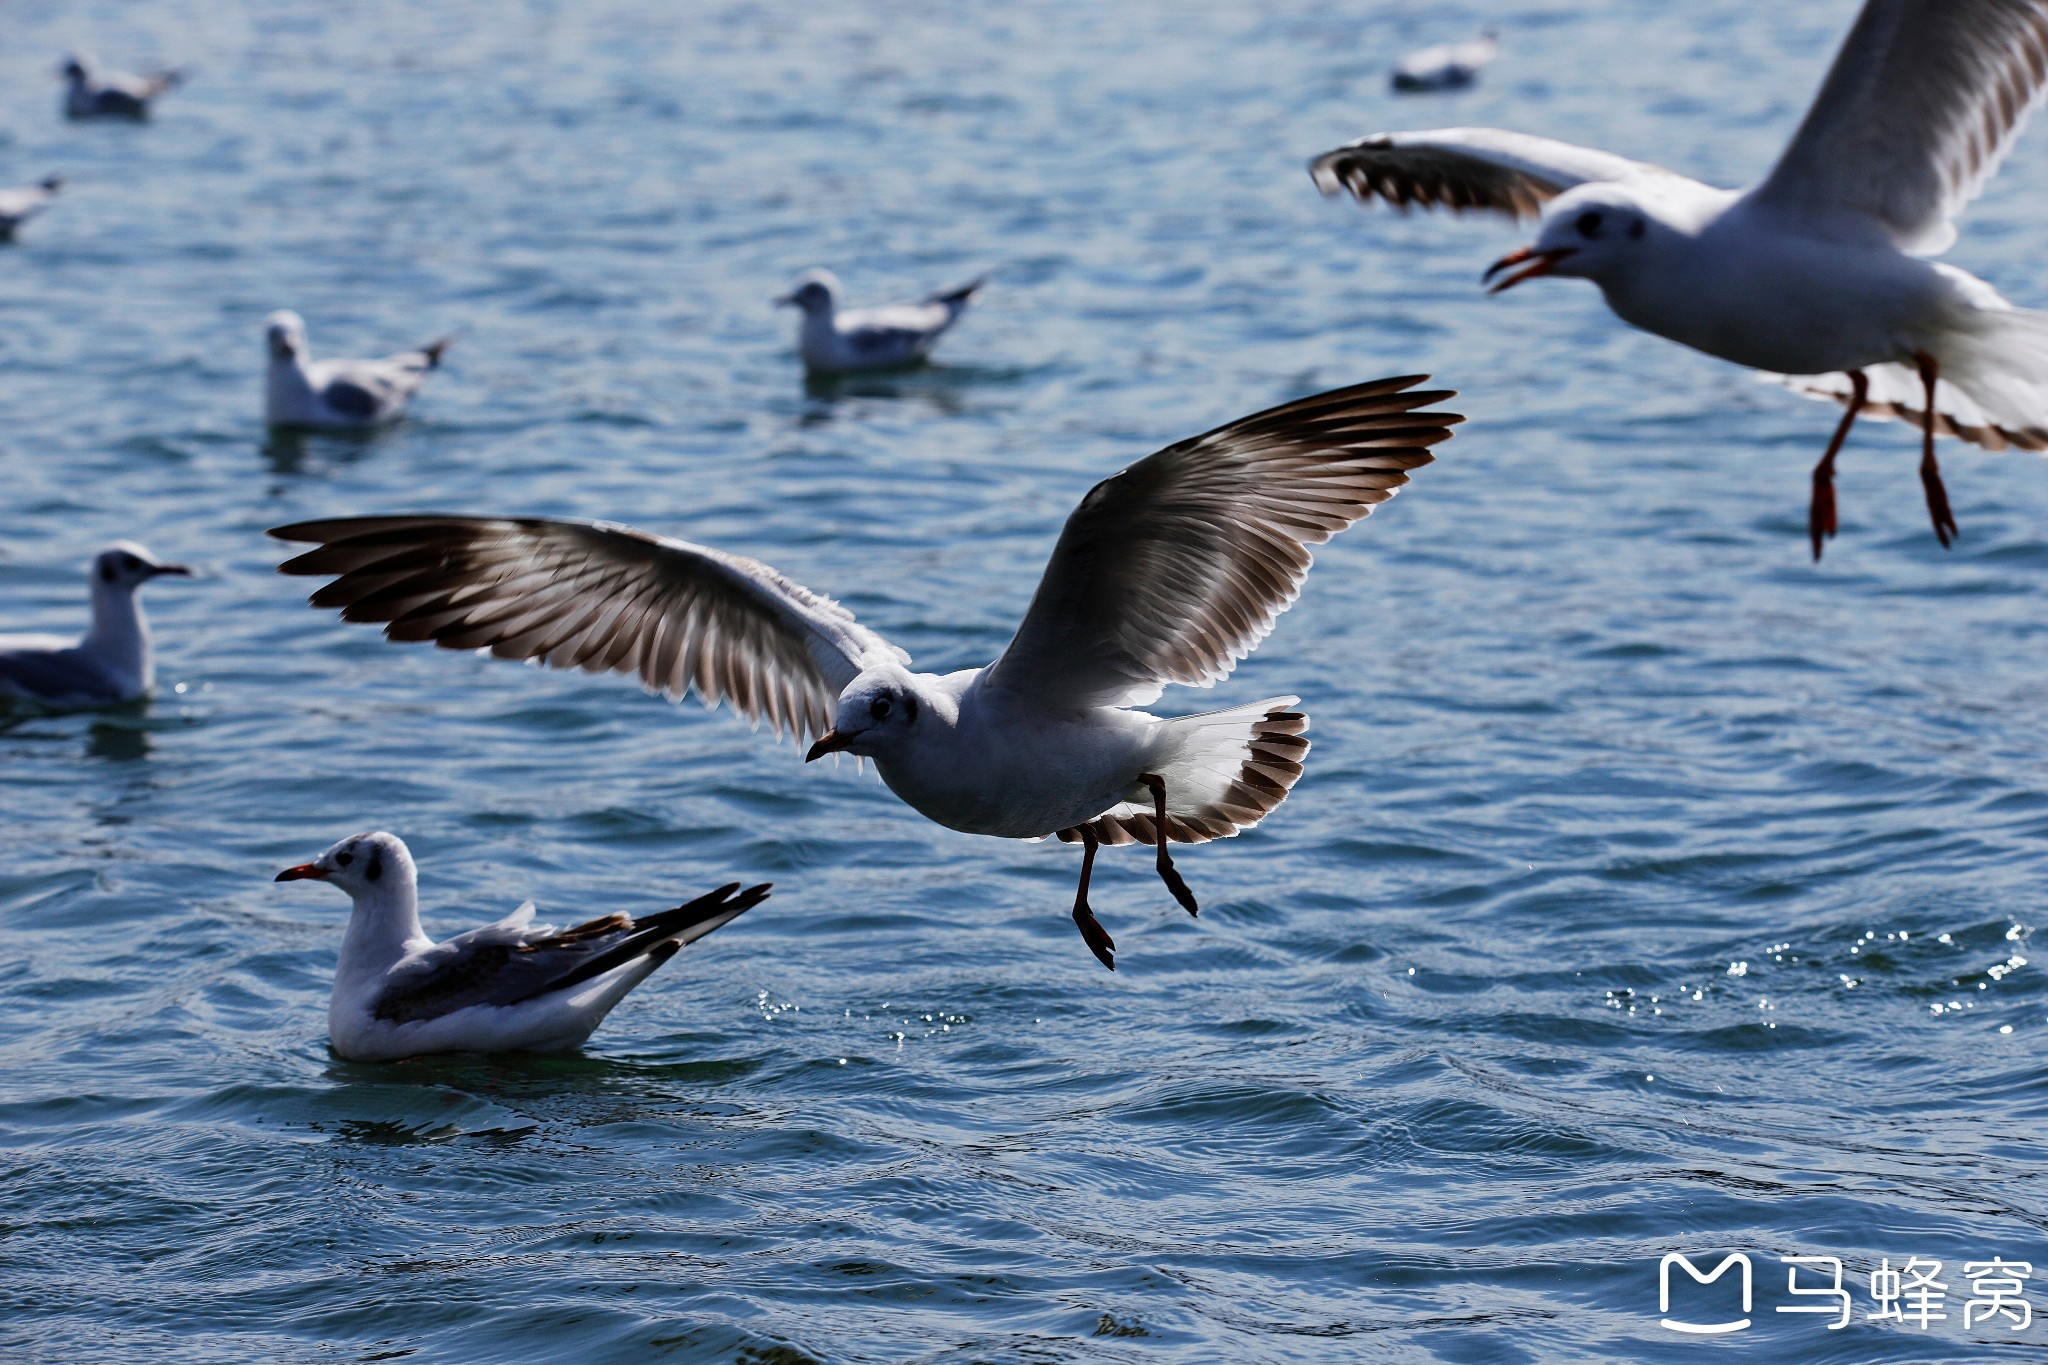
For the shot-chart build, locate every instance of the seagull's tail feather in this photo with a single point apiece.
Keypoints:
(660, 936)
(166, 80)
(957, 297)
(1993, 390)
(52, 183)
(1225, 771)
(433, 349)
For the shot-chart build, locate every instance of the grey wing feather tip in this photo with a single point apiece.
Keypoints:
(661, 936)
(433, 350)
(959, 293)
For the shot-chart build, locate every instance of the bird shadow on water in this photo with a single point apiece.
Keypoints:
(292, 451)
(117, 734)
(945, 389)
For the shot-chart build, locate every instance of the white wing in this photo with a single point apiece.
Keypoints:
(1470, 168)
(1922, 103)
(1176, 568)
(602, 598)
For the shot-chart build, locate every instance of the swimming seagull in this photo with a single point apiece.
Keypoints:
(510, 986)
(302, 392)
(113, 662)
(1815, 274)
(1451, 66)
(90, 92)
(1169, 572)
(17, 206)
(840, 342)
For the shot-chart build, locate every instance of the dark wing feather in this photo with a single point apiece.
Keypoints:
(1469, 168)
(349, 398)
(1175, 569)
(465, 972)
(601, 598)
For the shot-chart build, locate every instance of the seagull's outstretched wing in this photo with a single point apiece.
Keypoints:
(485, 967)
(1922, 103)
(1470, 168)
(602, 598)
(1175, 569)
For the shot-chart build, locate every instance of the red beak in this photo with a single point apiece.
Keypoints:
(302, 872)
(1545, 263)
(831, 742)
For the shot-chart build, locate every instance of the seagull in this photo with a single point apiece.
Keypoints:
(302, 392)
(113, 661)
(890, 337)
(17, 206)
(1817, 275)
(1450, 66)
(1169, 572)
(513, 986)
(90, 92)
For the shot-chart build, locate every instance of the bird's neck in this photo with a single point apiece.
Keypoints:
(382, 928)
(119, 636)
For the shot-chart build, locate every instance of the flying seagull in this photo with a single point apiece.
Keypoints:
(513, 986)
(302, 392)
(836, 341)
(1169, 572)
(113, 662)
(1817, 274)
(90, 92)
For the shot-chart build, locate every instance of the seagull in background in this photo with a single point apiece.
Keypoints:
(843, 342)
(1169, 572)
(1817, 274)
(17, 206)
(302, 392)
(512, 986)
(113, 662)
(1450, 66)
(90, 92)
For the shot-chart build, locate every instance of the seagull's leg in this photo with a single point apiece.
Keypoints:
(1820, 517)
(1168, 873)
(1092, 933)
(1945, 528)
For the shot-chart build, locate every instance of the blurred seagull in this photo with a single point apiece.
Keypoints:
(90, 92)
(1451, 66)
(17, 206)
(302, 392)
(113, 662)
(510, 986)
(899, 334)
(1169, 572)
(1814, 275)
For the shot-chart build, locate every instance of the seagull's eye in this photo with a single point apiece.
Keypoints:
(1588, 224)
(880, 710)
(130, 563)
(344, 859)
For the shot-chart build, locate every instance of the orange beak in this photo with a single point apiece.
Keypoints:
(1545, 263)
(302, 872)
(831, 742)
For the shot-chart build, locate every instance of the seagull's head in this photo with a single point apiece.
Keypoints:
(285, 333)
(125, 566)
(815, 291)
(1590, 232)
(77, 66)
(878, 714)
(361, 865)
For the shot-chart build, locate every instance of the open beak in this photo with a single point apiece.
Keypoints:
(302, 872)
(1544, 262)
(178, 569)
(831, 742)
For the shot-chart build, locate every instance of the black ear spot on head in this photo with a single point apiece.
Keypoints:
(910, 708)
(375, 871)
(106, 571)
(1635, 229)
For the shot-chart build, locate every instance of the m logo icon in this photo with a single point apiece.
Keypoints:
(1702, 1329)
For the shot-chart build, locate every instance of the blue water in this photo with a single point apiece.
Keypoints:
(1650, 888)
